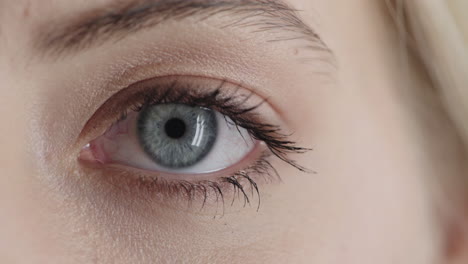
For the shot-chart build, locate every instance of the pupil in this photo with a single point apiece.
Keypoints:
(175, 128)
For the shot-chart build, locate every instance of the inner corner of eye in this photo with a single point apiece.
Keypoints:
(173, 138)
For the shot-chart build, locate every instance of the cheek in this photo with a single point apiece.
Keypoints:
(369, 201)
(373, 177)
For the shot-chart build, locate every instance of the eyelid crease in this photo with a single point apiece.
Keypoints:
(259, 92)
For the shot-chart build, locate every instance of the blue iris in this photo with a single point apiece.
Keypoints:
(177, 135)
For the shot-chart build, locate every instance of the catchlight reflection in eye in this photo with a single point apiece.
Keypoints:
(174, 138)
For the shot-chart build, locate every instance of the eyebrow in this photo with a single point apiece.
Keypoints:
(117, 21)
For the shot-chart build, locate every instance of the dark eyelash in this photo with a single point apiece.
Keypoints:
(231, 104)
(241, 185)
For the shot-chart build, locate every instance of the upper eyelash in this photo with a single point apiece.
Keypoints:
(230, 105)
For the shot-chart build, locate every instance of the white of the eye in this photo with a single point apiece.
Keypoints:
(231, 146)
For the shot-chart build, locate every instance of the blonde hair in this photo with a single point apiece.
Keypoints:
(438, 33)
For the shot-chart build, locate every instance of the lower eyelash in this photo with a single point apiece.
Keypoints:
(241, 185)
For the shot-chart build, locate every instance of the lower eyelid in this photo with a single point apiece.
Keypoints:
(92, 157)
(242, 184)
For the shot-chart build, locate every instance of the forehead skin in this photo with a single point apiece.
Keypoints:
(323, 219)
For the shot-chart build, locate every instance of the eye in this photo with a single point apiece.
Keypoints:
(174, 138)
(188, 136)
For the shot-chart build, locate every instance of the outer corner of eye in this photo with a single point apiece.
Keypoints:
(173, 138)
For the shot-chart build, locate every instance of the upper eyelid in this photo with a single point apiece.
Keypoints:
(133, 96)
(88, 29)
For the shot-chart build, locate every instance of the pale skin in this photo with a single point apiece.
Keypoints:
(376, 154)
